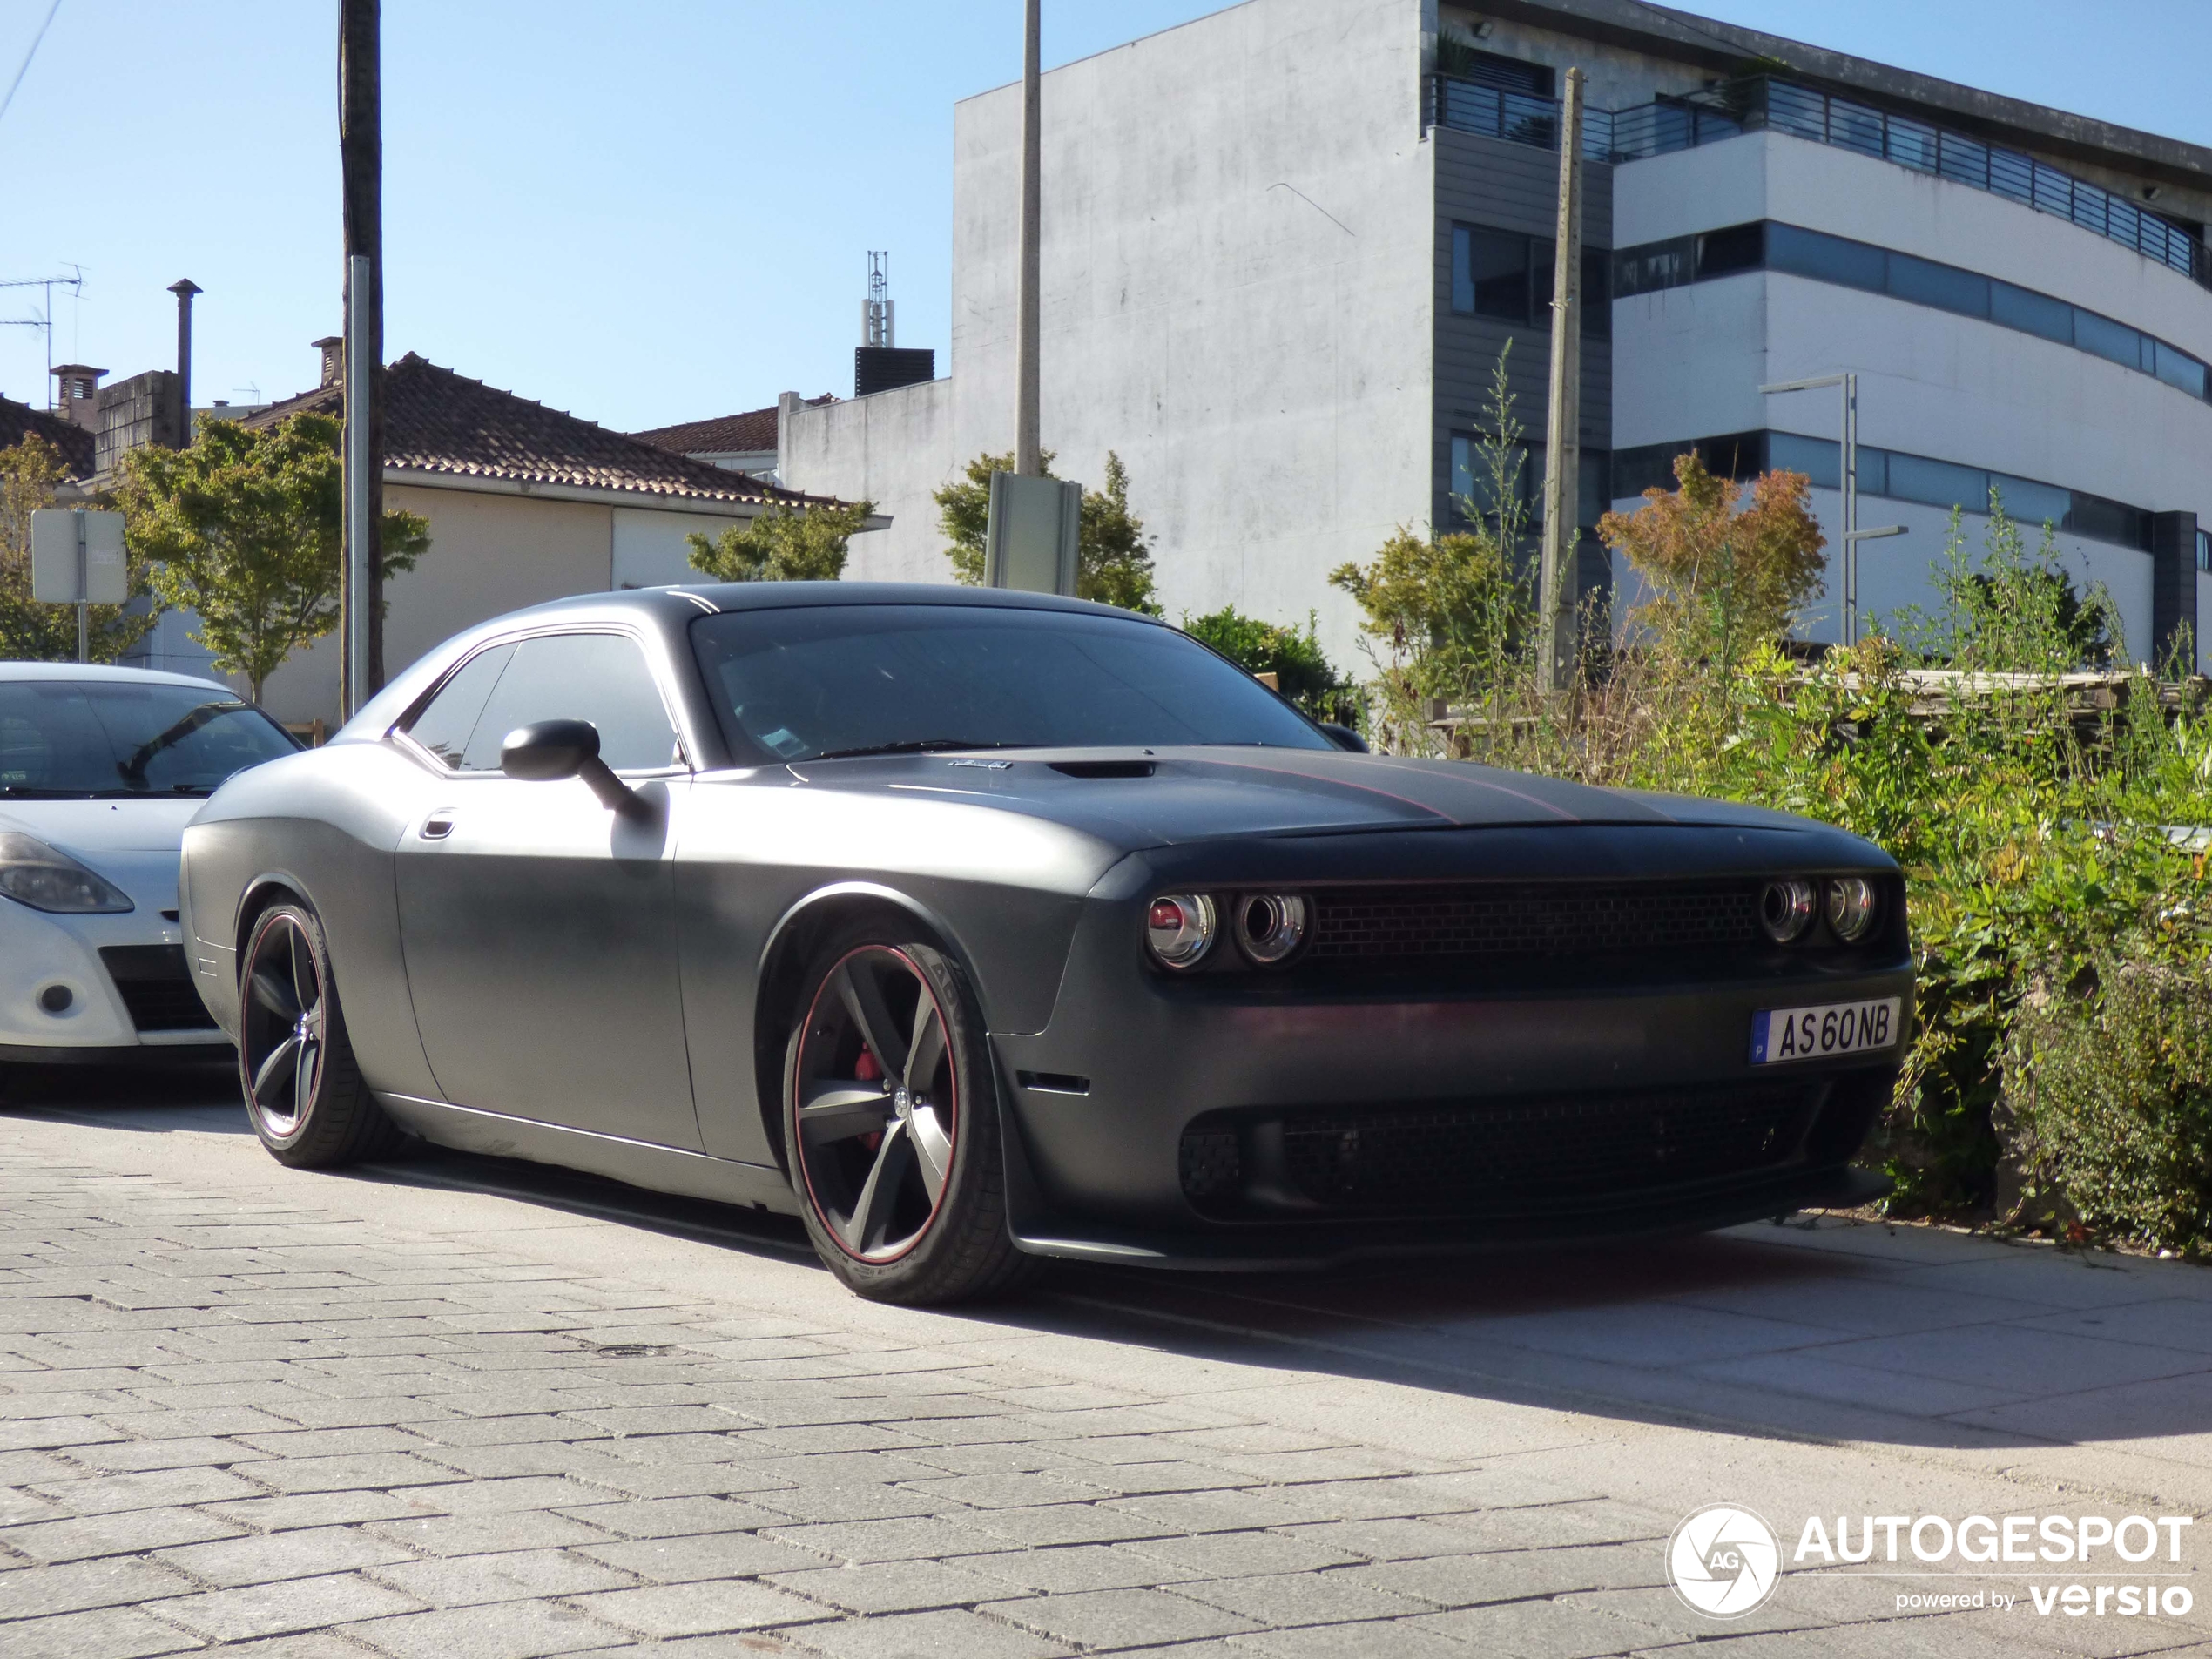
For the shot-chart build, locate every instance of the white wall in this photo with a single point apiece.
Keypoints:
(1238, 288)
(650, 548)
(892, 449)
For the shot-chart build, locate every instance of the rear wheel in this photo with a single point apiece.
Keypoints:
(891, 1120)
(303, 1091)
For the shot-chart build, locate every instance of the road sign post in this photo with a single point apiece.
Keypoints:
(76, 558)
(1032, 536)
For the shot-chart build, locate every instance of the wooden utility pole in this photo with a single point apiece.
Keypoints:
(1562, 423)
(361, 149)
(1029, 455)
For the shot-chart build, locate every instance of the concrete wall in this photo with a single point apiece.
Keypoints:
(1239, 299)
(1689, 360)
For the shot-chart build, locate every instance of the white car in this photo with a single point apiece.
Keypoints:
(100, 770)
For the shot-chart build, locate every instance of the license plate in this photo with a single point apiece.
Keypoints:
(1779, 1035)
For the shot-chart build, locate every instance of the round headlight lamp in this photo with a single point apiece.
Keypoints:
(1786, 909)
(1179, 928)
(1271, 926)
(1852, 903)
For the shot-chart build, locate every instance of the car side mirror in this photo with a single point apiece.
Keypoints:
(548, 750)
(1345, 738)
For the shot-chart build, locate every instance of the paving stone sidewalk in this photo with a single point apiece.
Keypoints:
(227, 1425)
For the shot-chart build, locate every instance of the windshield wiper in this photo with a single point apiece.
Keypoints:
(912, 746)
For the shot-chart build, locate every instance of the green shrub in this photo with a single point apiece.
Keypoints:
(2108, 1098)
(1303, 672)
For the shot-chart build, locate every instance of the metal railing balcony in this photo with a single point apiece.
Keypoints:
(1766, 103)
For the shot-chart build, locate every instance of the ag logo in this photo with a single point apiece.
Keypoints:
(1724, 1560)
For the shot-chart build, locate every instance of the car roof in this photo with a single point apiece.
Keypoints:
(83, 671)
(720, 596)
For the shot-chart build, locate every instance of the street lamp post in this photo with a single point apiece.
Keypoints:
(1852, 535)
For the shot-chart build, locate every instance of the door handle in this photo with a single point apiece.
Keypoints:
(438, 826)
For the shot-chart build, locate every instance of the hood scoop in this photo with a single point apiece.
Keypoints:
(1104, 768)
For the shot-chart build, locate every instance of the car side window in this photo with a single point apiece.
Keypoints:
(600, 678)
(446, 724)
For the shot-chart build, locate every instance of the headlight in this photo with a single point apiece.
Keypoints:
(32, 872)
(1786, 909)
(1851, 905)
(1270, 926)
(1179, 928)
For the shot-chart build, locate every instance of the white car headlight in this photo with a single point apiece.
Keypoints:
(33, 873)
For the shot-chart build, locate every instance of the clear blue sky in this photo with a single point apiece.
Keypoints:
(649, 213)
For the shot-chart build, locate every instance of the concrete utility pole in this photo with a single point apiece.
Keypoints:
(1029, 455)
(184, 291)
(1562, 425)
(361, 149)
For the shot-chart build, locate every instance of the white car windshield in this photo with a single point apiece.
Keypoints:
(118, 739)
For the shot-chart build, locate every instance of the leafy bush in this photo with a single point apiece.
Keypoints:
(2110, 1104)
(782, 544)
(1303, 672)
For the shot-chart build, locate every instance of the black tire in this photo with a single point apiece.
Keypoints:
(891, 1121)
(303, 1094)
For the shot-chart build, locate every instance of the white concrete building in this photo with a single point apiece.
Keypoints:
(1283, 249)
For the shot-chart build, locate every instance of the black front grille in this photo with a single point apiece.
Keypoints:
(155, 983)
(1371, 924)
(1482, 1156)
(1505, 1156)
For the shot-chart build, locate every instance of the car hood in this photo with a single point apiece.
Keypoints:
(1168, 796)
(89, 828)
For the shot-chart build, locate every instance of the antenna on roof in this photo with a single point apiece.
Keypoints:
(875, 311)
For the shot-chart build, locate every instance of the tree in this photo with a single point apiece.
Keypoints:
(36, 632)
(1113, 558)
(1303, 672)
(783, 544)
(243, 528)
(1724, 578)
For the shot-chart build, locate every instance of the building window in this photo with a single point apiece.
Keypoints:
(1890, 473)
(1472, 486)
(1775, 246)
(1508, 276)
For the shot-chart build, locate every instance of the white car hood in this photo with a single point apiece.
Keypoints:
(86, 829)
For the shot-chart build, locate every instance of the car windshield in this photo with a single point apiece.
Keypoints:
(809, 683)
(118, 738)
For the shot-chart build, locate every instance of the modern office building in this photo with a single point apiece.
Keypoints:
(1284, 244)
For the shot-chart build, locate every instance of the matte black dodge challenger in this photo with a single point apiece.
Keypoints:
(976, 928)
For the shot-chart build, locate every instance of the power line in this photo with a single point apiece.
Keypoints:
(28, 56)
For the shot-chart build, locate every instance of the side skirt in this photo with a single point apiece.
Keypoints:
(660, 1168)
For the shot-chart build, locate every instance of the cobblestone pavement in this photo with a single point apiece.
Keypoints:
(260, 1412)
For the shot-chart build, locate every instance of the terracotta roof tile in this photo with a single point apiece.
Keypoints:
(754, 429)
(436, 421)
(73, 441)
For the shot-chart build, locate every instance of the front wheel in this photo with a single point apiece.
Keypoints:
(891, 1122)
(303, 1092)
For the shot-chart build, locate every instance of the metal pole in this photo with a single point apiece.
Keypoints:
(360, 366)
(361, 145)
(1851, 510)
(1029, 455)
(1563, 426)
(83, 591)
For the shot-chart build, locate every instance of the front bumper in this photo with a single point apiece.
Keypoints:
(137, 997)
(1528, 1102)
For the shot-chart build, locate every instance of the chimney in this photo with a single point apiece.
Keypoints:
(333, 347)
(76, 385)
(183, 289)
